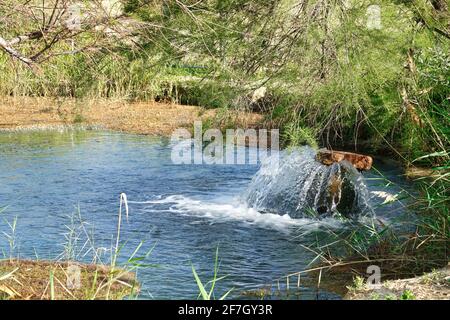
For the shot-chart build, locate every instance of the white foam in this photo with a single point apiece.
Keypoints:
(233, 210)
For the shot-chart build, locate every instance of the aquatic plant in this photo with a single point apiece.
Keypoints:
(204, 293)
(96, 280)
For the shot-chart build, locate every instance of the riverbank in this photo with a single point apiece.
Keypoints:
(53, 280)
(431, 286)
(150, 118)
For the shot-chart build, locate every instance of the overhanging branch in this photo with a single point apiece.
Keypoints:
(14, 53)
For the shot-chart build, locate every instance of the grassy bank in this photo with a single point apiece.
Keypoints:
(51, 280)
(414, 260)
(65, 277)
(27, 113)
(431, 286)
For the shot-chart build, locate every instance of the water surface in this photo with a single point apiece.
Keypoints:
(184, 211)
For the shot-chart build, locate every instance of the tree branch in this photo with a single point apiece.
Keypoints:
(14, 53)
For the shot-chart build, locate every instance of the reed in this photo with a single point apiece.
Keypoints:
(206, 294)
(97, 280)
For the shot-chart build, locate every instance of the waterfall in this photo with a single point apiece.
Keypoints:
(300, 186)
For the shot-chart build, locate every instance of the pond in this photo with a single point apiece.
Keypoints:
(183, 212)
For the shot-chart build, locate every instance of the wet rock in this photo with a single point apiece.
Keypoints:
(300, 186)
(340, 195)
(259, 94)
(359, 161)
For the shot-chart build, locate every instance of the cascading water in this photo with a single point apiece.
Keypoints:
(300, 186)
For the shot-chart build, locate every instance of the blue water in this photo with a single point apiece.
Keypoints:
(184, 212)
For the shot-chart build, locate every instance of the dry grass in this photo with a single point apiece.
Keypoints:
(46, 280)
(431, 286)
(141, 118)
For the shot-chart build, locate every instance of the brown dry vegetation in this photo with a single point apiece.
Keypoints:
(31, 280)
(431, 286)
(141, 118)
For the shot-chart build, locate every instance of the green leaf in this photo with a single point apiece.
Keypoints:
(215, 272)
(226, 294)
(432, 155)
(203, 292)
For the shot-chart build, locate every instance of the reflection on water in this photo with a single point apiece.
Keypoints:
(185, 211)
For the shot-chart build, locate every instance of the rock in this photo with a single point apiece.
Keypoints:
(359, 161)
(258, 94)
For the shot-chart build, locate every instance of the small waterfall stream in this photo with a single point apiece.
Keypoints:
(300, 186)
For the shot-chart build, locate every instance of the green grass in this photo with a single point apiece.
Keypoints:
(206, 294)
(407, 295)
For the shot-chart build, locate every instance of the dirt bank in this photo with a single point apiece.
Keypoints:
(44, 280)
(431, 286)
(141, 118)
